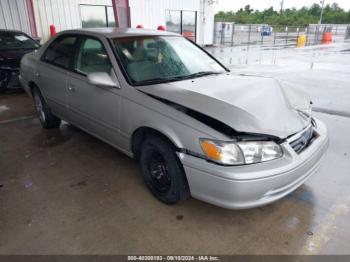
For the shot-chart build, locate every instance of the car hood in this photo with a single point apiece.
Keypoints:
(245, 103)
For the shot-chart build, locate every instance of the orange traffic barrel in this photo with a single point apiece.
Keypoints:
(52, 30)
(327, 37)
(301, 40)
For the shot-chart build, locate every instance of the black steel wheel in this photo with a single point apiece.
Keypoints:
(159, 171)
(163, 171)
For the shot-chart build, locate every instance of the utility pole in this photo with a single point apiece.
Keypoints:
(320, 21)
(282, 6)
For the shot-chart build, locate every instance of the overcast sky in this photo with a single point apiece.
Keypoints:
(228, 5)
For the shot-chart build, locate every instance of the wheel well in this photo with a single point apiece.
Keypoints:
(32, 85)
(141, 134)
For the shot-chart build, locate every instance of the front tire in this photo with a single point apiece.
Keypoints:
(163, 171)
(47, 119)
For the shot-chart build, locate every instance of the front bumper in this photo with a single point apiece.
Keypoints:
(12, 70)
(9, 74)
(239, 187)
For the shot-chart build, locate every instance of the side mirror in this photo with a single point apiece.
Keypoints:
(101, 79)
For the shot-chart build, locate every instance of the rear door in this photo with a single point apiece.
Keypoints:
(52, 70)
(94, 108)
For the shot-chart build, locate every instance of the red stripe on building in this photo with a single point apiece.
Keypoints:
(118, 7)
(31, 17)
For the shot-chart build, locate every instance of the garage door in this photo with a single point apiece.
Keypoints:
(14, 15)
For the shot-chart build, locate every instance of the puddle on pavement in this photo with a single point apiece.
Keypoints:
(303, 195)
(179, 217)
(3, 108)
(54, 137)
(79, 184)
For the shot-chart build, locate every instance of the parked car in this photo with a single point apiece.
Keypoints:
(13, 46)
(266, 30)
(196, 129)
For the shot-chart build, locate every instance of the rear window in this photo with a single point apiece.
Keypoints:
(12, 41)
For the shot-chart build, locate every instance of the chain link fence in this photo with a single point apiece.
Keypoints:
(231, 34)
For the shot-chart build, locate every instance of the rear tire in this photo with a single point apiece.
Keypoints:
(47, 119)
(163, 171)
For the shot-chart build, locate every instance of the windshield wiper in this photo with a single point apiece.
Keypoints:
(155, 81)
(199, 74)
(176, 78)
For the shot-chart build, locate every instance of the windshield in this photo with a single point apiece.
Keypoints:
(11, 40)
(156, 59)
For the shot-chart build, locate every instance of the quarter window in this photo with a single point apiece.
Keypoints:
(61, 51)
(92, 58)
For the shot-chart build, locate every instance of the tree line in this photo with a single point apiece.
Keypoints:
(332, 14)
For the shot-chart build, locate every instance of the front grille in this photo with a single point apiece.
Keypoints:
(301, 140)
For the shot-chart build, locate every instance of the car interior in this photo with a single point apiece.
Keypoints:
(14, 40)
(146, 59)
(92, 57)
(61, 51)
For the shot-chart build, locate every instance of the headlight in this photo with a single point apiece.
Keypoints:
(239, 153)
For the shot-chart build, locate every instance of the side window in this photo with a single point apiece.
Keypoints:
(92, 57)
(61, 51)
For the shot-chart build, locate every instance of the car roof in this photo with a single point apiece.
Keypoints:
(10, 31)
(114, 32)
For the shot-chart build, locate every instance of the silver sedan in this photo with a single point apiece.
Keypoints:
(196, 128)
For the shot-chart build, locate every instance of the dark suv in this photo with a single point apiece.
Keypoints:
(13, 46)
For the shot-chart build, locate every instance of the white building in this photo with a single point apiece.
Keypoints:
(192, 18)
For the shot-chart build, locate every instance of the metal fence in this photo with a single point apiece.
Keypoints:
(347, 34)
(231, 34)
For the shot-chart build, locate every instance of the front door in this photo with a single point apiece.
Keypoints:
(93, 108)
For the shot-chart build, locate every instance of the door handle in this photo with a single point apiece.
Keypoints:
(70, 88)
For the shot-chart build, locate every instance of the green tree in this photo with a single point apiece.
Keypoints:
(333, 14)
(248, 10)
